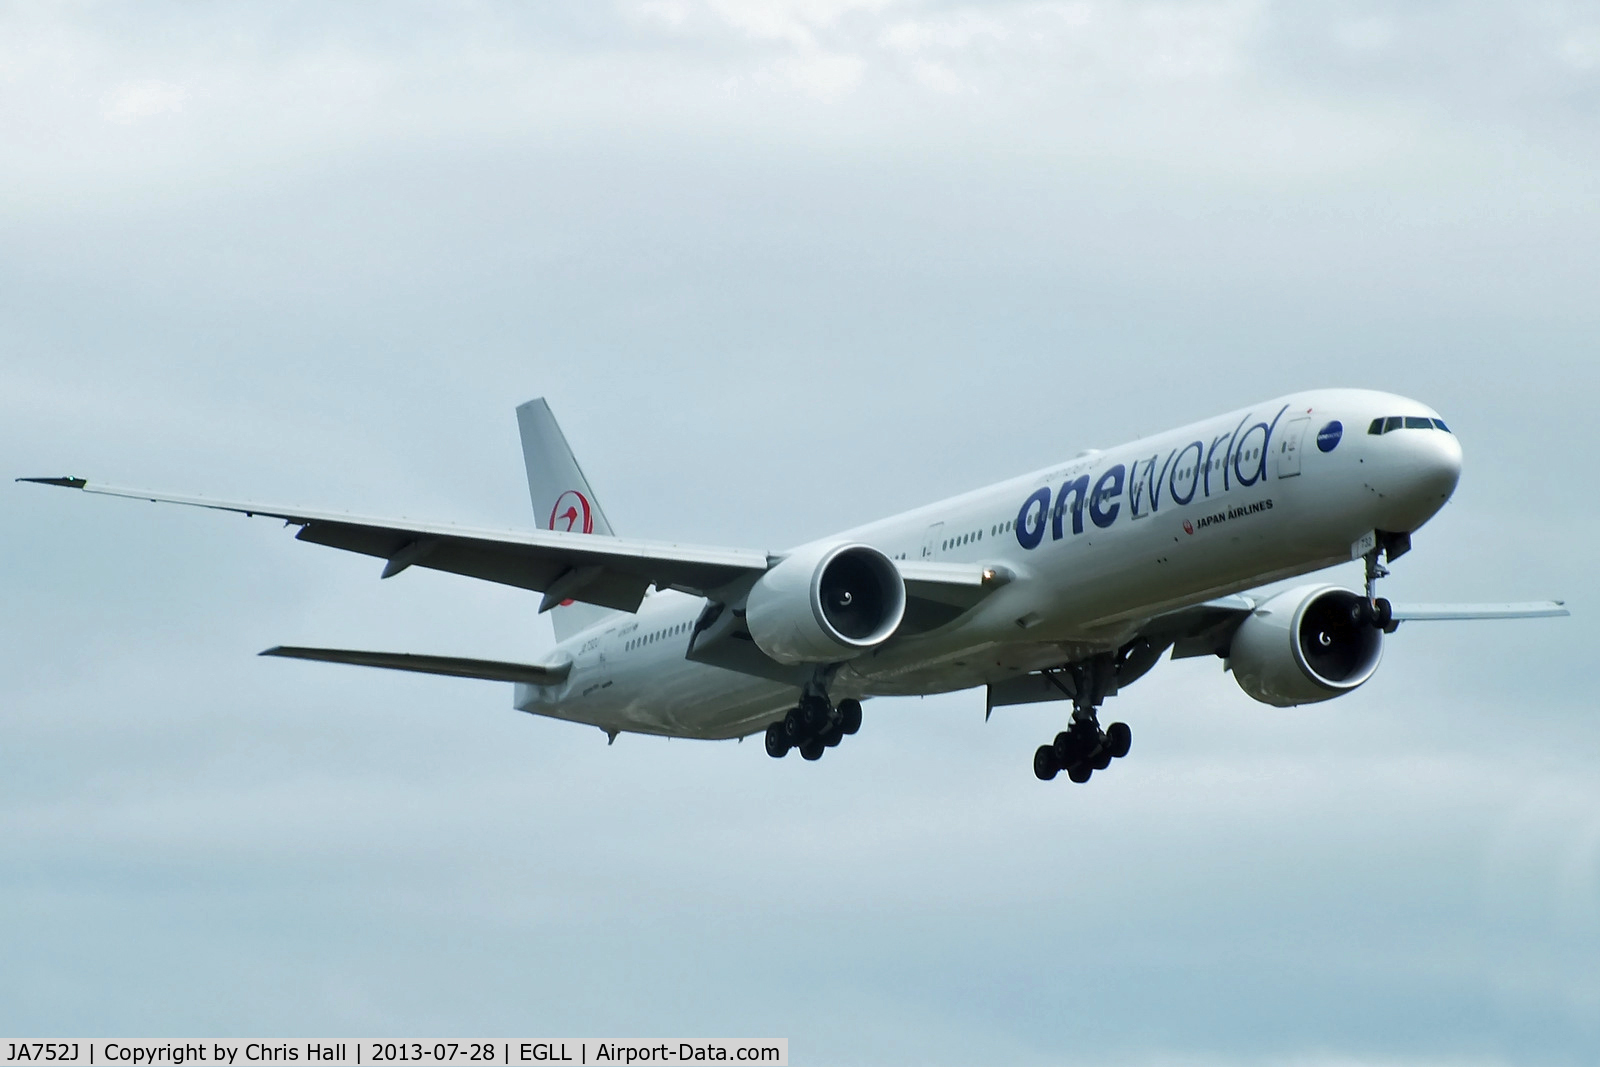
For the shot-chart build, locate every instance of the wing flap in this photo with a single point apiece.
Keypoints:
(452, 666)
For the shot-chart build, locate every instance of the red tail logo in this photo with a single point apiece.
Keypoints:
(572, 514)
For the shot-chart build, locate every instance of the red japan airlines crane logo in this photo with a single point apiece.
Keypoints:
(572, 513)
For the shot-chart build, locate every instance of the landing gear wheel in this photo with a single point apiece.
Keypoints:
(1102, 759)
(1080, 772)
(832, 737)
(849, 715)
(1377, 613)
(777, 741)
(794, 725)
(1045, 766)
(1066, 748)
(1119, 738)
(812, 749)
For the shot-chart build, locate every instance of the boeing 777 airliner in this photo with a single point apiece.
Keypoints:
(1064, 584)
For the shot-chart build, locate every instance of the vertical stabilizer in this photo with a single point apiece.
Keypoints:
(562, 500)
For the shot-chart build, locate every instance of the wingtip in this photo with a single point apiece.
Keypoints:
(67, 483)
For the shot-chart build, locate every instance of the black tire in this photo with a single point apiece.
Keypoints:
(1045, 766)
(849, 715)
(812, 750)
(777, 741)
(1102, 758)
(1119, 738)
(832, 737)
(817, 716)
(1382, 614)
(794, 726)
(1066, 747)
(1080, 772)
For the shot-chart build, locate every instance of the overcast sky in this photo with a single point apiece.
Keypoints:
(780, 267)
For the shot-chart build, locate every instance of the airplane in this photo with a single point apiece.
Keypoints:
(1065, 584)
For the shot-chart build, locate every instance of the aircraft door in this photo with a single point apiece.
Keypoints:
(1289, 446)
(931, 539)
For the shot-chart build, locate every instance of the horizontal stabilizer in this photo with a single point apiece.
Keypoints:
(1535, 609)
(455, 667)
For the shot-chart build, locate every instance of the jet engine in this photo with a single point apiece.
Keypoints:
(826, 604)
(1308, 644)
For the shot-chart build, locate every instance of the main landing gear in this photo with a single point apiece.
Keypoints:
(1083, 747)
(813, 726)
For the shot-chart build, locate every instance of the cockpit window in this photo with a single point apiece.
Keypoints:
(1405, 422)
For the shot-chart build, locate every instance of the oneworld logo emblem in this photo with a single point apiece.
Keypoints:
(1328, 437)
(572, 513)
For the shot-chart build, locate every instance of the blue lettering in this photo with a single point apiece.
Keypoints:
(1228, 458)
(1194, 482)
(1153, 482)
(1029, 536)
(1109, 487)
(1211, 461)
(1078, 489)
(1266, 448)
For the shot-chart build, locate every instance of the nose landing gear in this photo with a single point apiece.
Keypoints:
(1375, 611)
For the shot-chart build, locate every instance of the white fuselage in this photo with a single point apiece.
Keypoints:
(1097, 544)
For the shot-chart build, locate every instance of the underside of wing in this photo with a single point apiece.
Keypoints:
(452, 666)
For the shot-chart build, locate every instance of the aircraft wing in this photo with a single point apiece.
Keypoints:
(610, 571)
(1533, 609)
(1207, 629)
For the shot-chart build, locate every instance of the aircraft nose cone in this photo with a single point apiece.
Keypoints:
(1426, 465)
(1439, 466)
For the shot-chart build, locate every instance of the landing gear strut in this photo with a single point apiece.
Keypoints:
(1083, 747)
(1375, 610)
(813, 726)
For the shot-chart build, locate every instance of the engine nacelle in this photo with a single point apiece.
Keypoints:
(826, 604)
(1304, 645)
